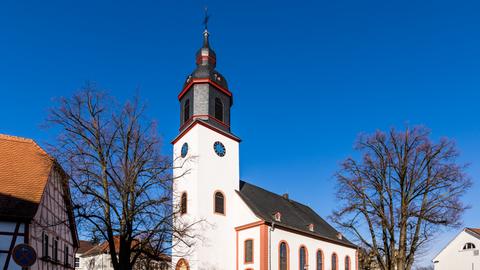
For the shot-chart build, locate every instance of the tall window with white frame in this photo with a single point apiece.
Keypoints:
(55, 249)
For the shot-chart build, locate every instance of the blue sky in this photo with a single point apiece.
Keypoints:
(307, 76)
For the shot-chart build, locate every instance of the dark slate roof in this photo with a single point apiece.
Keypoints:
(294, 215)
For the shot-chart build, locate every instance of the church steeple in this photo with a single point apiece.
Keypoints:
(205, 95)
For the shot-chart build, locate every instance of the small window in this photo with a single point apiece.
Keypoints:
(45, 245)
(302, 258)
(55, 250)
(311, 227)
(77, 262)
(334, 261)
(219, 203)
(469, 246)
(278, 216)
(186, 110)
(249, 251)
(219, 109)
(183, 204)
(283, 258)
(319, 260)
(66, 254)
(347, 263)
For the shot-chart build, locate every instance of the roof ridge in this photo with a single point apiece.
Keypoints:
(24, 140)
(276, 194)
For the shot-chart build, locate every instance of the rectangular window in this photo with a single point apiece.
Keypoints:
(66, 253)
(55, 250)
(249, 251)
(45, 245)
(77, 262)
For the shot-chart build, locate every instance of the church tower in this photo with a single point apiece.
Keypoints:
(206, 155)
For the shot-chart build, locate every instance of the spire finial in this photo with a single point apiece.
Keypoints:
(205, 32)
(205, 20)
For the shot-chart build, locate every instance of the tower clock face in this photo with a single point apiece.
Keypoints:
(219, 149)
(184, 151)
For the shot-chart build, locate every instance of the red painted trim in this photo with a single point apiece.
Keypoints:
(347, 258)
(236, 248)
(249, 225)
(205, 80)
(206, 57)
(207, 126)
(288, 254)
(193, 117)
(336, 261)
(182, 260)
(316, 259)
(263, 247)
(306, 257)
(245, 251)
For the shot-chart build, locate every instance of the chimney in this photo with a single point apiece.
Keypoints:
(285, 196)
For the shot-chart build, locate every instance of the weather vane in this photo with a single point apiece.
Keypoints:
(205, 21)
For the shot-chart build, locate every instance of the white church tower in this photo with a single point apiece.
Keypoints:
(206, 155)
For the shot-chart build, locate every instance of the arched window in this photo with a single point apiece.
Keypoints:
(182, 264)
(347, 263)
(186, 110)
(302, 258)
(183, 203)
(219, 203)
(334, 261)
(219, 109)
(319, 260)
(248, 251)
(469, 246)
(283, 259)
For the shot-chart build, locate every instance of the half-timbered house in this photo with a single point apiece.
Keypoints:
(35, 206)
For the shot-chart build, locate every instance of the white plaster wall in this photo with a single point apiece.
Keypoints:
(295, 241)
(251, 233)
(205, 173)
(454, 257)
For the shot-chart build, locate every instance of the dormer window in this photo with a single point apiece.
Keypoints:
(219, 109)
(468, 246)
(278, 216)
(311, 227)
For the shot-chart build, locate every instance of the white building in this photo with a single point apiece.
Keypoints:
(240, 226)
(97, 257)
(35, 206)
(462, 253)
(84, 246)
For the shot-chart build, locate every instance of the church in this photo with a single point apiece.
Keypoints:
(237, 225)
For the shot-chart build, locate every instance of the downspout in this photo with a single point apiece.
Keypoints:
(270, 245)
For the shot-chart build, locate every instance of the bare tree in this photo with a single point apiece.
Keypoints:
(403, 190)
(121, 183)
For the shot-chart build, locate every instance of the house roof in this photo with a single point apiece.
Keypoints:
(24, 172)
(84, 246)
(294, 215)
(475, 231)
(104, 248)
